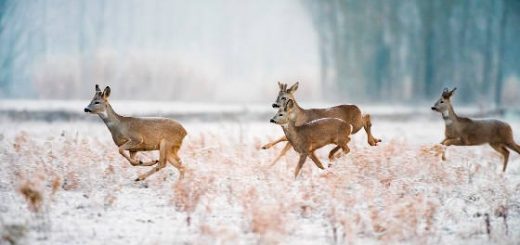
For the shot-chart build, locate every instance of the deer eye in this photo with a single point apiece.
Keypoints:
(280, 115)
(97, 102)
(442, 102)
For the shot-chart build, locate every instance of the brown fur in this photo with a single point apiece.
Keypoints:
(312, 135)
(351, 114)
(464, 131)
(140, 134)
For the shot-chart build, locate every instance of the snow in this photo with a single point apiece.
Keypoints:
(397, 192)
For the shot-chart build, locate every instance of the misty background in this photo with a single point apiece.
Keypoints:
(350, 51)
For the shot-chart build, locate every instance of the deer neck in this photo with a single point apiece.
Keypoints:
(449, 116)
(297, 109)
(110, 117)
(299, 115)
(290, 131)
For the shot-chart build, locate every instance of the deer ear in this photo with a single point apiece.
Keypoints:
(106, 93)
(97, 88)
(293, 88)
(280, 85)
(448, 93)
(453, 90)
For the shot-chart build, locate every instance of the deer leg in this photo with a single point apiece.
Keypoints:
(126, 147)
(303, 157)
(332, 152)
(141, 163)
(175, 160)
(163, 152)
(282, 153)
(133, 155)
(513, 146)
(367, 125)
(345, 148)
(454, 141)
(269, 145)
(342, 144)
(149, 163)
(451, 141)
(316, 160)
(505, 153)
(443, 153)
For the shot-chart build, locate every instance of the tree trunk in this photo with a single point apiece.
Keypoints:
(501, 49)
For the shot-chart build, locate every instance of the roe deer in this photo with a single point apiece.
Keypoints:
(462, 131)
(312, 135)
(351, 114)
(140, 134)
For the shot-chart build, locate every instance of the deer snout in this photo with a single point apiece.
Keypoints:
(275, 105)
(272, 120)
(87, 110)
(433, 108)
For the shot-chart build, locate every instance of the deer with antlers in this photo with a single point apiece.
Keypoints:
(462, 131)
(351, 114)
(135, 134)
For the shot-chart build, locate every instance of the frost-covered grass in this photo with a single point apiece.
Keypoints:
(65, 183)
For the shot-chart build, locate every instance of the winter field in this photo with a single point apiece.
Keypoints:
(64, 182)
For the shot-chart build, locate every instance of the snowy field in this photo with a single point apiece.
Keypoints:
(65, 183)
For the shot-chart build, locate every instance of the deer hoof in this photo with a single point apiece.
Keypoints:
(374, 142)
(140, 162)
(265, 147)
(138, 179)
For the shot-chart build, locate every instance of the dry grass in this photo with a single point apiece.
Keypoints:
(396, 192)
(33, 197)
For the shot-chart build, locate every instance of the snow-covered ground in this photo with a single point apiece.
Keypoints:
(397, 192)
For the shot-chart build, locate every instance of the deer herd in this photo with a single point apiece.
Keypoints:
(306, 130)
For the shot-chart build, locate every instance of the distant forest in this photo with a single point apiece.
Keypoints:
(370, 51)
(408, 50)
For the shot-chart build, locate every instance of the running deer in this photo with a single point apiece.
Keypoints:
(311, 135)
(351, 114)
(140, 134)
(462, 131)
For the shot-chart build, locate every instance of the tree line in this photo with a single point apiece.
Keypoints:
(396, 50)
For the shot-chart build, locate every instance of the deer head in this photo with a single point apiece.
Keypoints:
(284, 113)
(444, 101)
(285, 94)
(98, 104)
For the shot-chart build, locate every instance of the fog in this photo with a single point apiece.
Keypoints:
(165, 50)
(235, 51)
